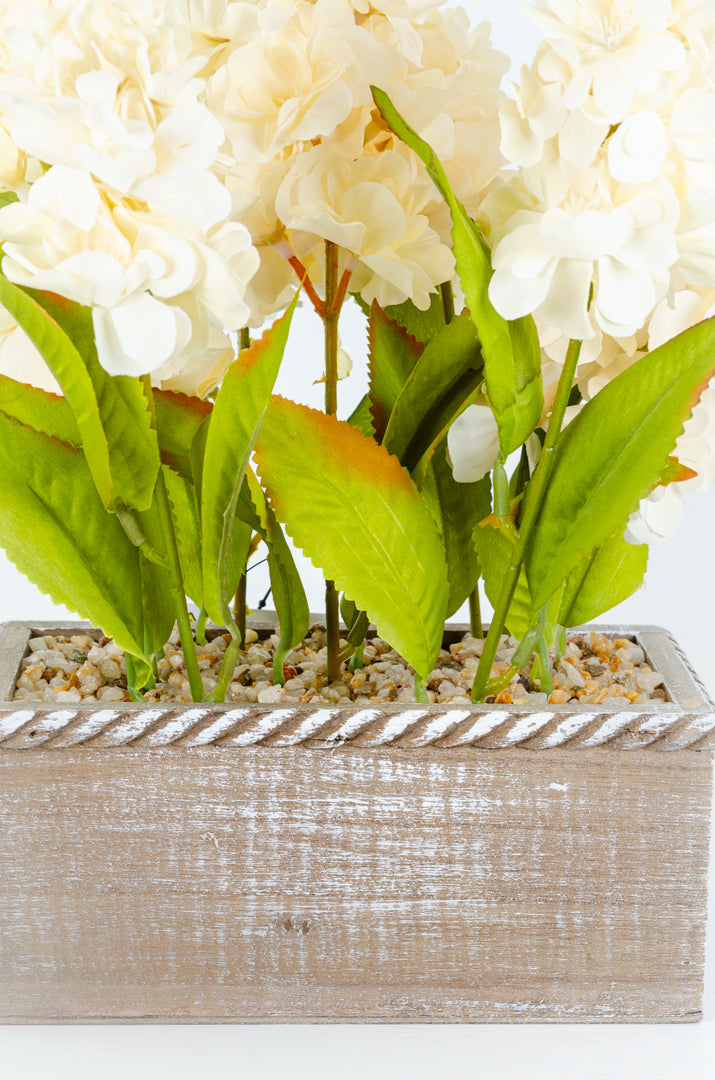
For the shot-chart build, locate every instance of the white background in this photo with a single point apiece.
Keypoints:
(679, 595)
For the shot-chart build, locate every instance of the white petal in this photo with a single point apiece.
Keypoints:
(473, 443)
(136, 336)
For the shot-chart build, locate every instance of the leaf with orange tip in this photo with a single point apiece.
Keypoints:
(356, 513)
(615, 451)
(178, 419)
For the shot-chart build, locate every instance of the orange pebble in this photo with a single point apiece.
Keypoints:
(559, 697)
(503, 699)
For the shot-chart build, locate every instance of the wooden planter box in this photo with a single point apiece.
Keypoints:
(217, 863)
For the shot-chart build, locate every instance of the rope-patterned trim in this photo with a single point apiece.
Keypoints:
(494, 728)
(685, 722)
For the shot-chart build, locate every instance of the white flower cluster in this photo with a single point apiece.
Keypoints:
(606, 230)
(309, 158)
(113, 155)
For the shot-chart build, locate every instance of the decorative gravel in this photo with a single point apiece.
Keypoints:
(596, 670)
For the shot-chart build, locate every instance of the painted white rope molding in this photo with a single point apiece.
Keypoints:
(687, 721)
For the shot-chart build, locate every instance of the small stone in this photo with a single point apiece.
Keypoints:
(68, 695)
(648, 680)
(251, 636)
(572, 675)
(110, 693)
(559, 697)
(110, 670)
(270, 695)
(40, 644)
(630, 654)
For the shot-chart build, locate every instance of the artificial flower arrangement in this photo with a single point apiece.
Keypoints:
(536, 273)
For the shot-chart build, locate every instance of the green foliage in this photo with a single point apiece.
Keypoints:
(286, 586)
(178, 420)
(512, 361)
(393, 353)
(421, 325)
(361, 417)
(39, 410)
(356, 513)
(234, 424)
(182, 496)
(452, 360)
(614, 452)
(495, 549)
(457, 508)
(111, 413)
(57, 532)
(612, 574)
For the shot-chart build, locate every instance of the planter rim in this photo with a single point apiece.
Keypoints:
(685, 722)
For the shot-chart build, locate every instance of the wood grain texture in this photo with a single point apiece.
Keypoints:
(371, 885)
(181, 864)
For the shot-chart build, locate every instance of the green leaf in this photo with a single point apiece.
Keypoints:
(188, 536)
(235, 421)
(457, 509)
(361, 417)
(38, 409)
(157, 606)
(7, 197)
(286, 586)
(451, 359)
(393, 353)
(421, 325)
(512, 360)
(614, 452)
(112, 413)
(178, 419)
(612, 574)
(494, 550)
(356, 513)
(56, 531)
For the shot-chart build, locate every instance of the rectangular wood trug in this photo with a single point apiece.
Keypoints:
(180, 875)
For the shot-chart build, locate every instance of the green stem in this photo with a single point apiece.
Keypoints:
(134, 694)
(475, 614)
(228, 665)
(173, 567)
(447, 300)
(176, 585)
(244, 339)
(420, 691)
(330, 319)
(200, 628)
(533, 499)
(239, 610)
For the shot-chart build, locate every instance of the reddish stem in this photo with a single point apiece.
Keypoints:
(307, 284)
(341, 292)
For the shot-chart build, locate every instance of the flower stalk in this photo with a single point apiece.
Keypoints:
(330, 322)
(533, 499)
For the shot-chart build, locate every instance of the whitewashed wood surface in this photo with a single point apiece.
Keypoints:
(258, 868)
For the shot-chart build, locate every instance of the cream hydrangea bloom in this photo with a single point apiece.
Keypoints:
(298, 80)
(373, 208)
(297, 94)
(139, 272)
(616, 49)
(617, 240)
